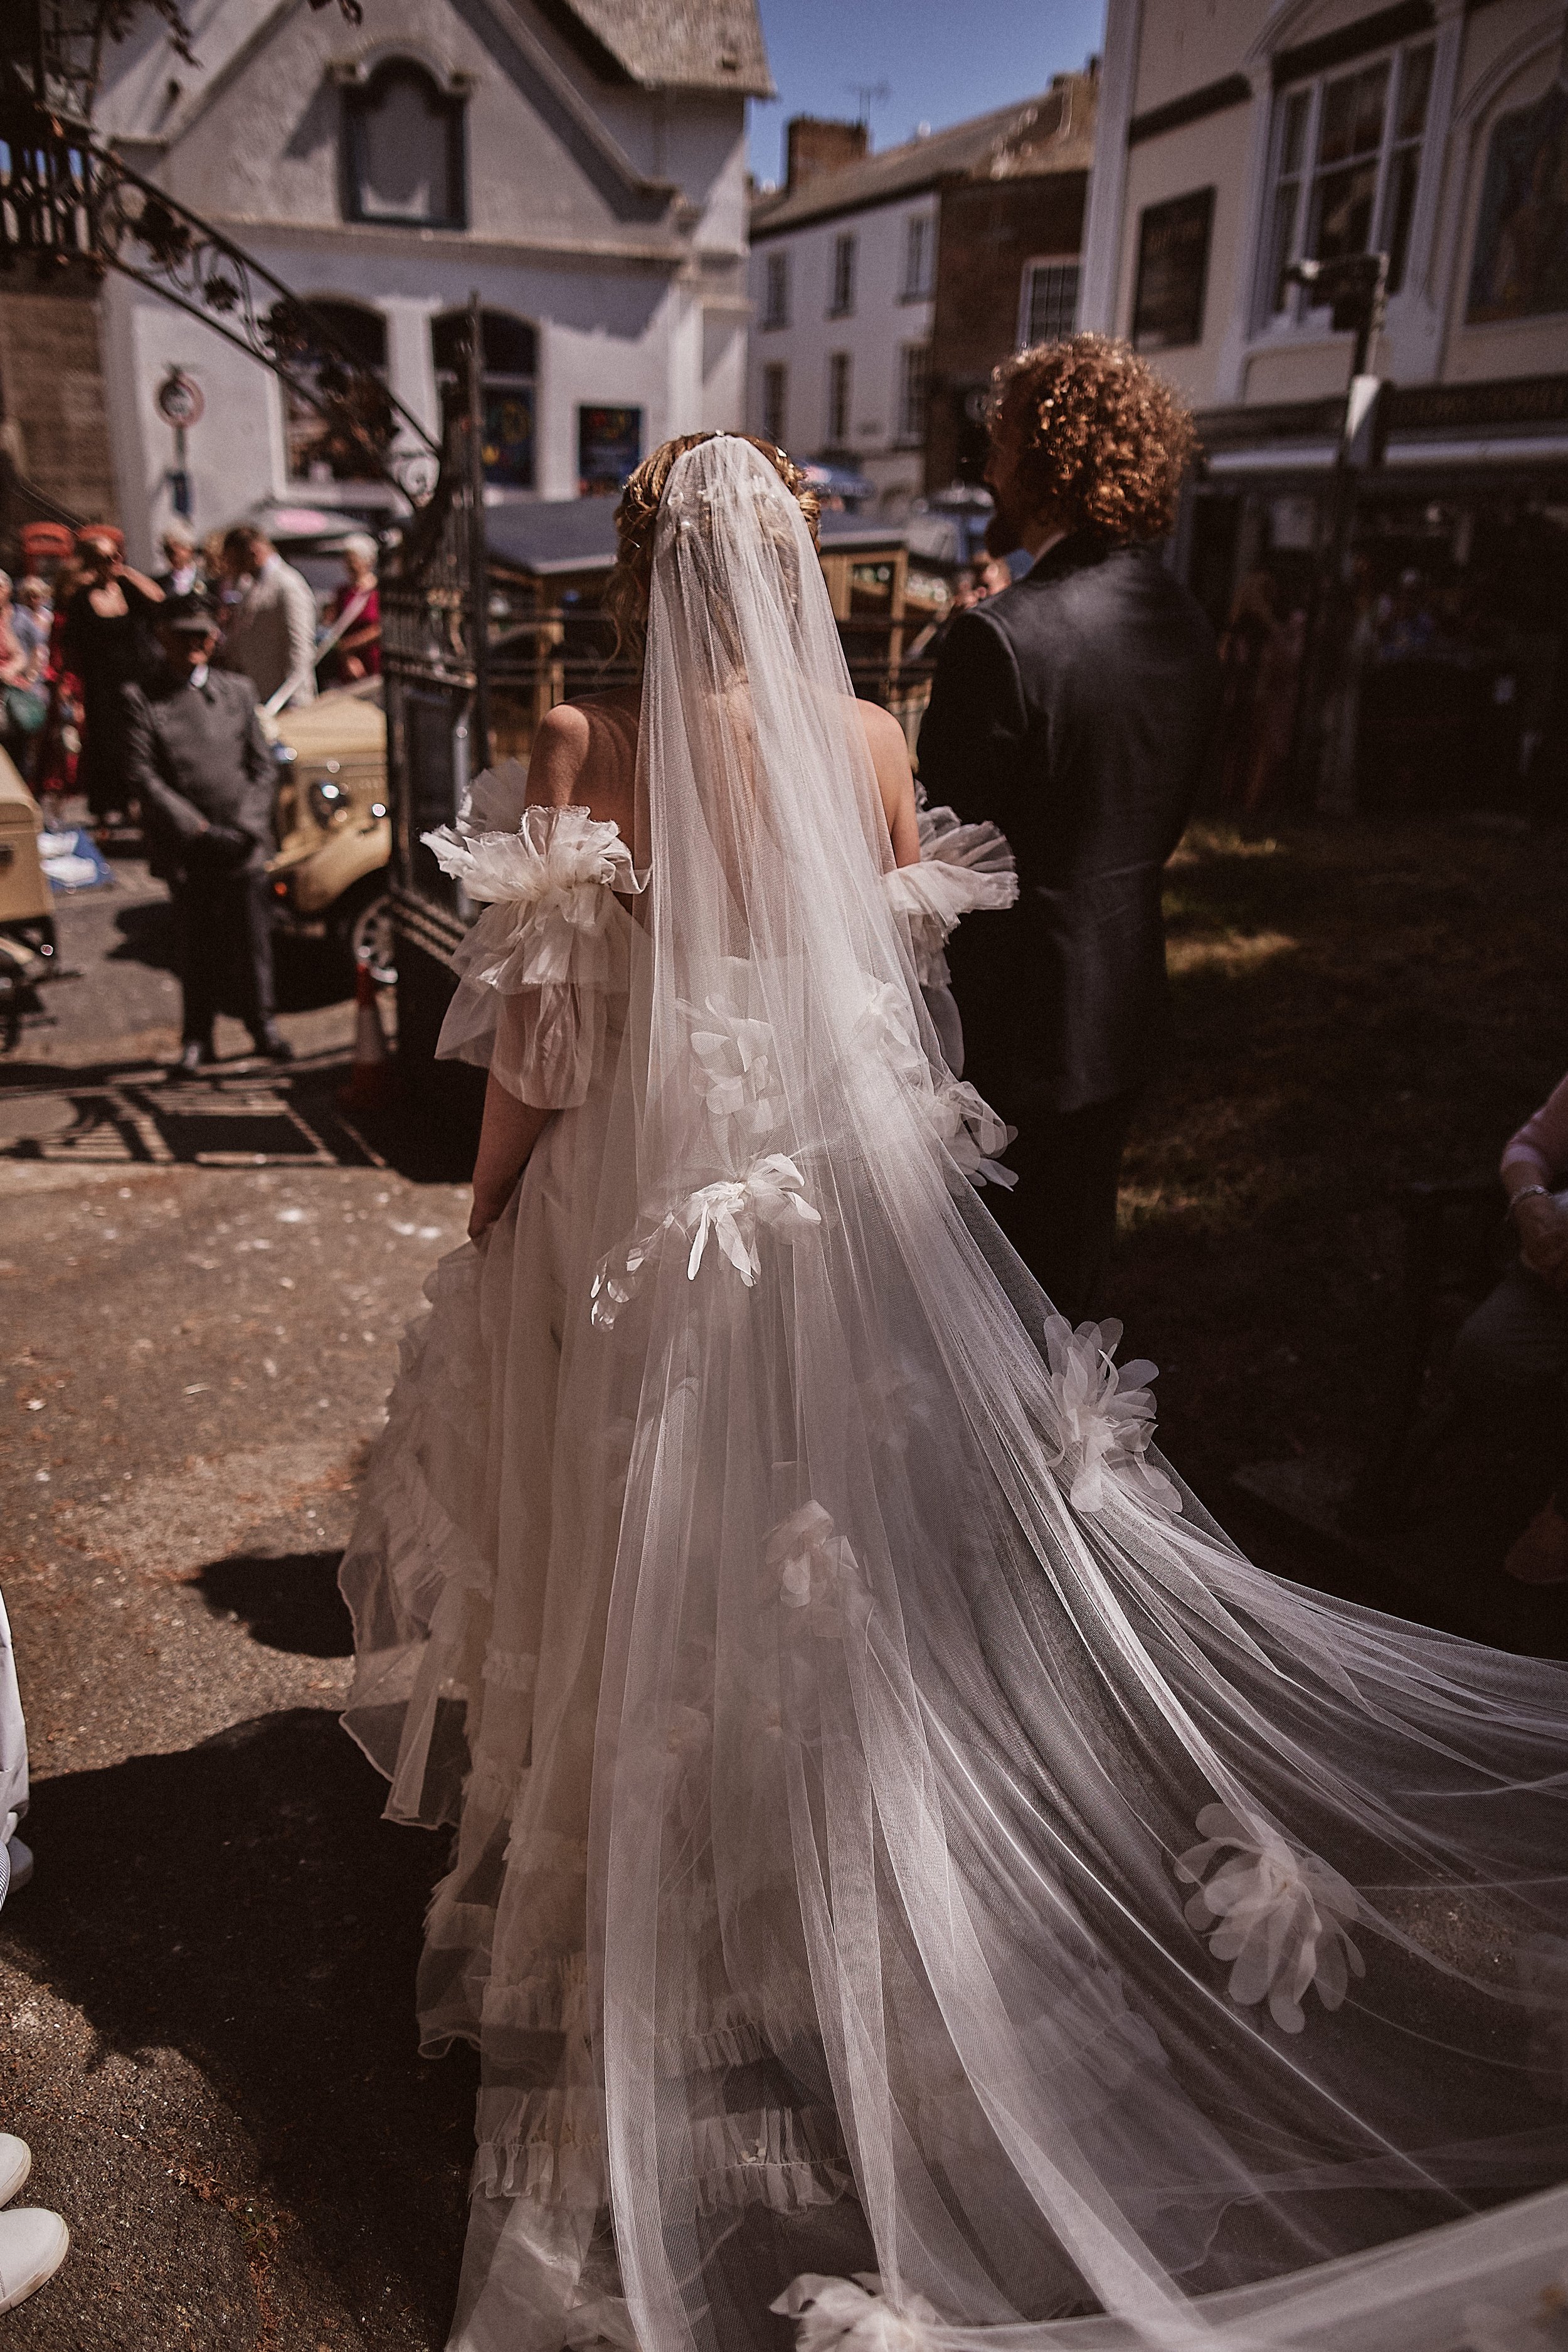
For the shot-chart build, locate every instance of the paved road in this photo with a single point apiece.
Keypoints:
(206, 1991)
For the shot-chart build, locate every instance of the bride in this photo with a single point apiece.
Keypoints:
(911, 1876)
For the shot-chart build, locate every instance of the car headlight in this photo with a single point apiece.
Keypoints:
(328, 799)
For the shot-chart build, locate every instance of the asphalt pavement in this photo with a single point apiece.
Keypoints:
(206, 2030)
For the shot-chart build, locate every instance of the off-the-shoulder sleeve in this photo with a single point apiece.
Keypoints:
(549, 949)
(963, 868)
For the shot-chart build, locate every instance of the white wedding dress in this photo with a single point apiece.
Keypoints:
(910, 1872)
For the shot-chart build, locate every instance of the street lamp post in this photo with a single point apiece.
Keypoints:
(1356, 288)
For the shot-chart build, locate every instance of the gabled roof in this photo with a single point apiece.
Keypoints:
(671, 44)
(1053, 132)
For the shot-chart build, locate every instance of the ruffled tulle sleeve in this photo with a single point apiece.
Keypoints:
(963, 868)
(551, 947)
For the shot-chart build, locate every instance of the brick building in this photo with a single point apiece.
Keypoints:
(54, 417)
(885, 288)
(1007, 265)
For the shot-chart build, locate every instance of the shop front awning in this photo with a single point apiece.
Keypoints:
(1516, 425)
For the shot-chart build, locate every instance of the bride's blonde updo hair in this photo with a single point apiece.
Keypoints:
(626, 590)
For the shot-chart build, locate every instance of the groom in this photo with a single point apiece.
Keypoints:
(1074, 709)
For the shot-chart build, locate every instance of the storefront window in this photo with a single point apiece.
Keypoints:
(609, 444)
(509, 360)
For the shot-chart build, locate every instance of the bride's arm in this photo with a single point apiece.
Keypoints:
(509, 1131)
(895, 781)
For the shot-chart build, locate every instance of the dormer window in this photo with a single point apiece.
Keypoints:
(403, 151)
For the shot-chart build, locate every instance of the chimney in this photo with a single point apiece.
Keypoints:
(812, 147)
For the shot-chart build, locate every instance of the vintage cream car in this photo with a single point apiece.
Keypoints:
(330, 875)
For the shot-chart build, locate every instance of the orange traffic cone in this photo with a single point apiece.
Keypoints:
(369, 1083)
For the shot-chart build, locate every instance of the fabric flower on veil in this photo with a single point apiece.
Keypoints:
(1279, 1916)
(545, 890)
(730, 1214)
(734, 1071)
(839, 2314)
(816, 1571)
(1105, 1420)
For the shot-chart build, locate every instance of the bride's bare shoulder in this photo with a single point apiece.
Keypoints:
(585, 753)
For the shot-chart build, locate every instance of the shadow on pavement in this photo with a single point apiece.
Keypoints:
(241, 1903)
(291, 1603)
(309, 972)
(146, 935)
(248, 1114)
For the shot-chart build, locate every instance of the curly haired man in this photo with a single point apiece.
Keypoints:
(1074, 710)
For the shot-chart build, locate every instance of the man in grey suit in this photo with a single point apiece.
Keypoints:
(270, 637)
(1074, 710)
(203, 770)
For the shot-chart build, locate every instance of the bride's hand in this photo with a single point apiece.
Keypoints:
(486, 1208)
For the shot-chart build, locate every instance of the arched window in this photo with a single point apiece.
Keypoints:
(509, 361)
(403, 150)
(325, 449)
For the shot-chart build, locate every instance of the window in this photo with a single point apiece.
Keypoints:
(920, 253)
(843, 278)
(1347, 162)
(403, 151)
(609, 444)
(1049, 306)
(323, 449)
(775, 298)
(914, 379)
(1172, 271)
(775, 403)
(837, 399)
(508, 365)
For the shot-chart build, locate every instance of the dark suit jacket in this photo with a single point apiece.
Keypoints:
(1074, 710)
(196, 754)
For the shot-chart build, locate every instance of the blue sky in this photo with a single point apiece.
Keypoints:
(941, 62)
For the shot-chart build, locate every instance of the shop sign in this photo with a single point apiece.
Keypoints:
(1466, 407)
(179, 400)
(1173, 272)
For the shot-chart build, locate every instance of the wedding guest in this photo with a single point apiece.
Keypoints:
(357, 653)
(204, 772)
(33, 619)
(181, 573)
(1511, 1360)
(1075, 710)
(59, 741)
(270, 635)
(22, 706)
(106, 646)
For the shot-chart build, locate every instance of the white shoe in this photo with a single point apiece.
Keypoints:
(21, 1860)
(33, 2245)
(15, 2163)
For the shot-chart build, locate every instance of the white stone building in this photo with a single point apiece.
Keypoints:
(843, 280)
(578, 164)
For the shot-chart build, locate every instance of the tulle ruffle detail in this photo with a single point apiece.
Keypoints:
(963, 869)
(551, 943)
(548, 2146)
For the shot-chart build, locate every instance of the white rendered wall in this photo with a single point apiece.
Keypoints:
(874, 336)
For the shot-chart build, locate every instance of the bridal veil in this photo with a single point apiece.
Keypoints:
(1013, 1920)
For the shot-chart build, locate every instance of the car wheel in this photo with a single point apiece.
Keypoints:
(364, 933)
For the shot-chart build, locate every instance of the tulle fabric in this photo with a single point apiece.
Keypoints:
(912, 1871)
(550, 948)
